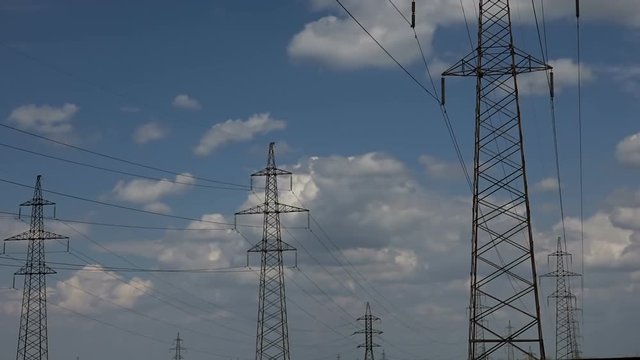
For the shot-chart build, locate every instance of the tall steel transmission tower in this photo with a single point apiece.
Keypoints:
(502, 260)
(566, 321)
(368, 332)
(272, 341)
(177, 348)
(32, 334)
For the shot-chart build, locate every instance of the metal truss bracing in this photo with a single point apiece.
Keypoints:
(32, 334)
(503, 272)
(178, 348)
(368, 332)
(567, 346)
(272, 341)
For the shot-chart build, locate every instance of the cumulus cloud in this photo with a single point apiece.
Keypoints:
(47, 120)
(546, 185)
(440, 169)
(237, 130)
(150, 191)
(628, 150)
(335, 40)
(628, 76)
(184, 101)
(565, 74)
(95, 291)
(158, 207)
(149, 132)
(338, 42)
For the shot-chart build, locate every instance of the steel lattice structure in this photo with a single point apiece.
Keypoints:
(32, 334)
(368, 332)
(178, 348)
(503, 271)
(272, 341)
(567, 346)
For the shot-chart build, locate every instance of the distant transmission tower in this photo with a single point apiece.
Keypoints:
(178, 348)
(368, 332)
(272, 341)
(566, 319)
(32, 334)
(502, 260)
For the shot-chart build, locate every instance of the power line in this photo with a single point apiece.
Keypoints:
(107, 268)
(387, 52)
(580, 161)
(123, 207)
(119, 159)
(129, 331)
(125, 172)
(125, 226)
(179, 300)
(443, 110)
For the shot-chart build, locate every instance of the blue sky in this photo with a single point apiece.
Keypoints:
(202, 87)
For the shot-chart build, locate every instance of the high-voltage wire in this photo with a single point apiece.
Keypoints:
(346, 265)
(106, 268)
(104, 299)
(125, 226)
(154, 292)
(127, 173)
(123, 207)
(132, 332)
(120, 159)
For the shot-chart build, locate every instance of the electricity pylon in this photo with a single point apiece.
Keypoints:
(368, 332)
(502, 260)
(272, 340)
(32, 334)
(566, 321)
(177, 348)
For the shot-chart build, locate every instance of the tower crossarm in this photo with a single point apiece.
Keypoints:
(271, 208)
(36, 235)
(471, 66)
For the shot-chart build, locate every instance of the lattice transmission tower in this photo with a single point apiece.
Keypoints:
(567, 346)
(272, 341)
(503, 271)
(369, 331)
(178, 348)
(32, 333)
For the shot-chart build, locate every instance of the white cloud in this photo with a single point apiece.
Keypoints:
(565, 74)
(149, 132)
(628, 150)
(158, 207)
(183, 101)
(337, 41)
(150, 191)
(75, 292)
(237, 130)
(440, 169)
(340, 43)
(604, 242)
(11, 301)
(546, 185)
(628, 76)
(47, 120)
